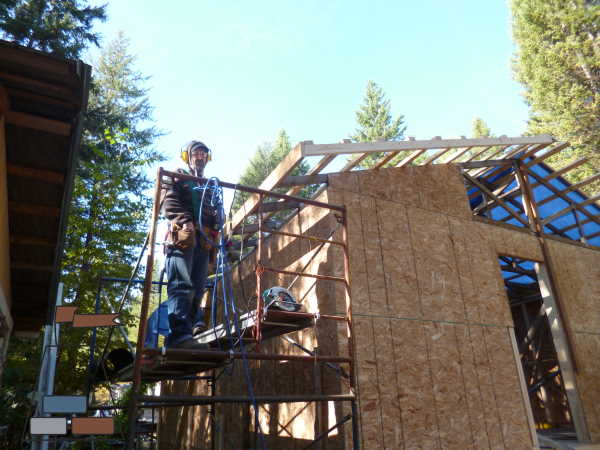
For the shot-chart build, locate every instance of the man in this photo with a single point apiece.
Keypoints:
(188, 249)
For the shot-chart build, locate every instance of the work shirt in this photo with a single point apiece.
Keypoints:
(182, 203)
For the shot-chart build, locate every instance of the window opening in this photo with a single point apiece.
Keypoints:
(541, 368)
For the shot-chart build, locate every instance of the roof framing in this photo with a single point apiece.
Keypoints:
(473, 155)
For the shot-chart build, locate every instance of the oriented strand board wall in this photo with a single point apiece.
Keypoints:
(287, 426)
(578, 284)
(434, 361)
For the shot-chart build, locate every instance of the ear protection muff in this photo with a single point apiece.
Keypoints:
(185, 152)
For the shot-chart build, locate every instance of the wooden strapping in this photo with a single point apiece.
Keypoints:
(548, 154)
(578, 206)
(494, 197)
(573, 206)
(410, 158)
(436, 156)
(283, 169)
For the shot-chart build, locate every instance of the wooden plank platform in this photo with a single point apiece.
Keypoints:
(160, 364)
(275, 323)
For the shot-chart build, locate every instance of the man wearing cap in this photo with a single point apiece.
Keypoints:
(187, 248)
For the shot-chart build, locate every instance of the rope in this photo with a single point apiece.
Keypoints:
(222, 275)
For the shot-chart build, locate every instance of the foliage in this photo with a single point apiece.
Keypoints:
(480, 129)
(375, 121)
(19, 380)
(63, 27)
(110, 208)
(262, 163)
(558, 63)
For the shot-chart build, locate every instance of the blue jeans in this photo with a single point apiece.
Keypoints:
(186, 278)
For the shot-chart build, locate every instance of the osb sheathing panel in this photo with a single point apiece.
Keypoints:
(292, 425)
(578, 284)
(588, 380)
(434, 365)
(517, 242)
(187, 427)
(425, 279)
(578, 280)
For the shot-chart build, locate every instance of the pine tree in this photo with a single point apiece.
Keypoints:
(480, 129)
(110, 208)
(262, 163)
(558, 63)
(63, 27)
(375, 121)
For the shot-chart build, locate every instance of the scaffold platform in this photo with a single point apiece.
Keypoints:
(164, 363)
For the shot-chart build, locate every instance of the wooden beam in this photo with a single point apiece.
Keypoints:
(50, 88)
(410, 158)
(304, 180)
(548, 154)
(435, 156)
(22, 239)
(476, 154)
(497, 151)
(572, 206)
(591, 236)
(33, 209)
(456, 155)
(567, 168)
(512, 193)
(354, 162)
(391, 146)
(561, 337)
(508, 155)
(4, 100)
(563, 196)
(283, 169)
(42, 98)
(571, 188)
(314, 171)
(387, 158)
(534, 150)
(535, 443)
(279, 206)
(28, 266)
(486, 163)
(38, 123)
(494, 197)
(49, 176)
(527, 196)
(570, 227)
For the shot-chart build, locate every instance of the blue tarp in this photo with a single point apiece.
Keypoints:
(540, 193)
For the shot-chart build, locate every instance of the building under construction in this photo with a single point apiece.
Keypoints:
(450, 298)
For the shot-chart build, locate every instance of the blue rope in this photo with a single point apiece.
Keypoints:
(223, 275)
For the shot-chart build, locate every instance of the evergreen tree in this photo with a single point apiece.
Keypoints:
(63, 27)
(262, 163)
(110, 209)
(375, 121)
(480, 129)
(558, 62)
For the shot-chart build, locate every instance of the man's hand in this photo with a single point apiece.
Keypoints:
(183, 236)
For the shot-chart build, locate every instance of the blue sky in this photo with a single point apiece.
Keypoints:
(232, 74)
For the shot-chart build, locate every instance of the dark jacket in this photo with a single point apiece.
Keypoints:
(181, 203)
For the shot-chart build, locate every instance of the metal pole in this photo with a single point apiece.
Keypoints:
(47, 369)
(137, 366)
(355, 424)
(259, 272)
(91, 369)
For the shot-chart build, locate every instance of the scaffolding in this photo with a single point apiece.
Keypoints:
(261, 323)
(517, 190)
